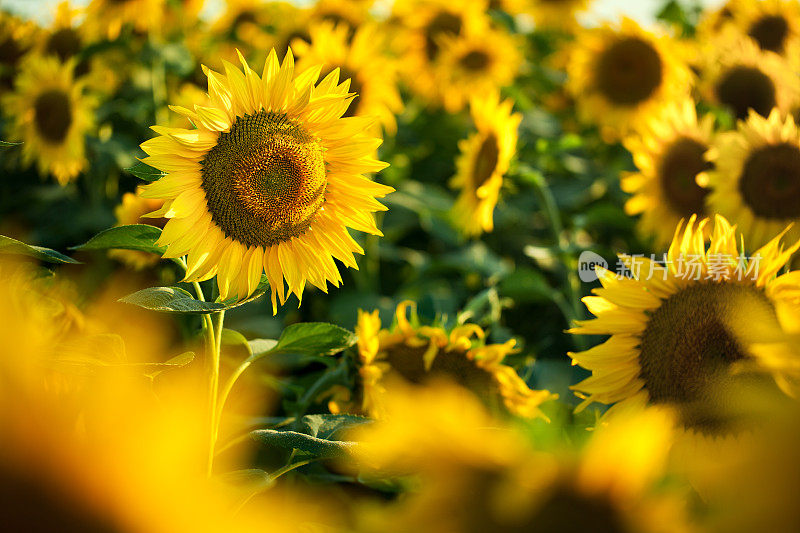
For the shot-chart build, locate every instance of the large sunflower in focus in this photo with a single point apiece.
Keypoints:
(416, 355)
(424, 23)
(484, 160)
(270, 180)
(669, 151)
(756, 179)
(476, 63)
(737, 75)
(359, 58)
(674, 338)
(620, 76)
(51, 116)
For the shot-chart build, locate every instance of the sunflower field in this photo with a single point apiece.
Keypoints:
(399, 266)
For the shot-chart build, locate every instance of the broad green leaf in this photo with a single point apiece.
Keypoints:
(232, 337)
(292, 440)
(171, 300)
(327, 426)
(145, 172)
(13, 246)
(140, 237)
(314, 338)
(526, 285)
(259, 347)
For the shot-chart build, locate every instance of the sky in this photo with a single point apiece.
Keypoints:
(640, 10)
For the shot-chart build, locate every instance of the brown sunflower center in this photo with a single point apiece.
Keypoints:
(681, 163)
(10, 51)
(452, 364)
(264, 180)
(355, 87)
(64, 43)
(687, 348)
(52, 115)
(770, 181)
(743, 88)
(629, 71)
(443, 24)
(486, 160)
(28, 504)
(567, 510)
(475, 60)
(770, 33)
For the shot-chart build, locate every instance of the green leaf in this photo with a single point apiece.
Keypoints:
(314, 338)
(260, 347)
(253, 479)
(145, 172)
(13, 246)
(327, 426)
(171, 300)
(232, 337)
(292, 440)
(526, 285)
(140, 237)
(4, 144)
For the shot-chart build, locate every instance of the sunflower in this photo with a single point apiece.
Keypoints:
(669, 151)
(484, 160)
(270, 180)
(737, 75)
(417, 355)
(470, 473)
(341, 12)
(51, 116)
(474, 63)
(773, 24)
(756, 179)
(246, 23)
(713, 22)
(372, 75)
(620, 76)
(130, 211)
(105, 19)
(672, 329)
(556, 14)
(423, 24)
(17, 38)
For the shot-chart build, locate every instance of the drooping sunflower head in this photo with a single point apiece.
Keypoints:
(738, 76)
(424, 24)
(669, 151)
(476, 474)
(478, 62)
(268, 181)
(359, 57)
(756, 179)
(484, 160)
(49, 113)
(673, 327)
(619, 76)
(415, 355)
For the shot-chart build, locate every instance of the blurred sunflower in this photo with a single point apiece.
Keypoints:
(773, 24)
(347, 13)
(484, 160)
(417, 355)
(756, 179)
(620, 76)
(105, 19)
(64, 38)
(556, 14)
(130, 211)
(17, 37)
(474, 63)
(372, 75)
(672, 329)
(713, 22)
(51, 116)
(247, 23)
(470, 474)
(737, 75)
(669, 151)
(423, 24)
(269, 181)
